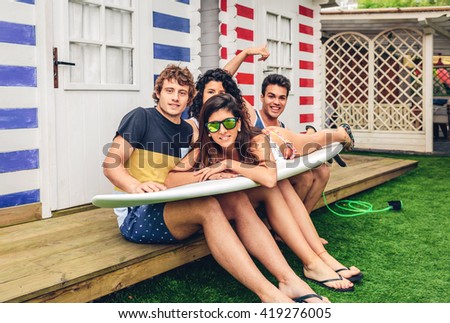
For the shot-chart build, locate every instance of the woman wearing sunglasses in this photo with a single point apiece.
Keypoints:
(227, 147)
(217, 81)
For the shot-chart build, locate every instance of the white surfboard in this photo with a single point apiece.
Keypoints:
(285, 169)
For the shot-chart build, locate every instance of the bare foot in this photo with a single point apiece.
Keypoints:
(336, 265)
(343, 135)
(349, 141)
(295, 288)
(323, 241)
(274, 295)
(319, 271)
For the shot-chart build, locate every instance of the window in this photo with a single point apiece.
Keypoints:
(279, 44)
(101, 44)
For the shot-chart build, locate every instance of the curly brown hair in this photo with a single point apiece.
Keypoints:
(173, 72)
(229, 85)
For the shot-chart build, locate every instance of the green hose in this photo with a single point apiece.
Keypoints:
(354, 207)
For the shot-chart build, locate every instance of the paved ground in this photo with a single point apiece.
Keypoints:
(441, 147)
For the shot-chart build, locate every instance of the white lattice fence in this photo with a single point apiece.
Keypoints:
(398, 86)
(347, 81)
(375, 85)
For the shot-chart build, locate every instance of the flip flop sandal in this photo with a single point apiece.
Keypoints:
(349, 145)
(355, 278)
(322, 283)
(310, 127)
(302, 299)
(340, 161)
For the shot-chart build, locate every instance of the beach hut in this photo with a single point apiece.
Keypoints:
(70, 69)
(383, 75)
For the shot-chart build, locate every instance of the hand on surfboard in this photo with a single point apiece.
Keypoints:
(214, 169)
(209, 188)
(148, 187)
(223, 175)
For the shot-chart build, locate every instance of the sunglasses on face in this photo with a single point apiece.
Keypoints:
(228, 123)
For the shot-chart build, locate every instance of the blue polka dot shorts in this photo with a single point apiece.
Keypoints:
(145, 224)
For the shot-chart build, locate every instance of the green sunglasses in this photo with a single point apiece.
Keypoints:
(228, 123)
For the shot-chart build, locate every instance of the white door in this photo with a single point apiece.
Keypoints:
(277, 24)
(109, 41)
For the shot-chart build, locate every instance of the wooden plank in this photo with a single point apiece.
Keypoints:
(82, 256)
(359, 182)
(17, 12)
(124, 277)
(367, 171)
(71, 255)
(51, 246)
(20, 214)
(351, 190)
(53, 273)
(76, 209)
(12, 54)
(51, 230)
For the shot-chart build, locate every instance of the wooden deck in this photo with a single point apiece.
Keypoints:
(81, 257)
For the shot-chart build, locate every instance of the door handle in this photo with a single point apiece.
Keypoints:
(64, 63)
(55, 67)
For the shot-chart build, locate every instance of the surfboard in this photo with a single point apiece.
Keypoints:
(285, 169)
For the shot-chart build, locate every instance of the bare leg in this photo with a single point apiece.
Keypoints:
(303, 181)
(319, 179)
(303, 184)
(320, 176)
(257, 239)
(306, 144)
(309, 231)
(184, 218)
(283, 222)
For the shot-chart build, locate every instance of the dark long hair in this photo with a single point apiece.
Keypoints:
(211, 152)
(229, 85)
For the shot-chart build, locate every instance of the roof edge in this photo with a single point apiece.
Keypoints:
(383, 10)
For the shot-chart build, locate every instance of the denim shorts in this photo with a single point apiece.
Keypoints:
(145, 224)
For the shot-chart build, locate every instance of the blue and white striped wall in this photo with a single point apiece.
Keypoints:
(19, 146)
(176, 34)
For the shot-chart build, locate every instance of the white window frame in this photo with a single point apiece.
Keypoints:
(278, 67)
(68, 84)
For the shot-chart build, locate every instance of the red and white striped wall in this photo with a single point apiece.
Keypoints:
(307, 65)
(237, 25)
(238, 19)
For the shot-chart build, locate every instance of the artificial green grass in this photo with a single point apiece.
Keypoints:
(403, 254)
